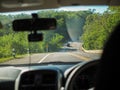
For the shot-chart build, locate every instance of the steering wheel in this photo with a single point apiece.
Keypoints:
(82, 77)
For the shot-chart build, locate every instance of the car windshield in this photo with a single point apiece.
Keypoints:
(80, 35)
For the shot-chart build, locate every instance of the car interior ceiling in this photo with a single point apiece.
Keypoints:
(108, 73)
(20, 5)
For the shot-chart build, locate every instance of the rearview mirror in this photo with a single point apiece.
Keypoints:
(34, 24)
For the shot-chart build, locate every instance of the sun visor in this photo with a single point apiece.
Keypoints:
(88, 2)
(23, 5)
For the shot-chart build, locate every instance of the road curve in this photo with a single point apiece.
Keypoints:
(49, 57)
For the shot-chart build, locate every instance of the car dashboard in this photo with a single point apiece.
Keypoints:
(48, 76)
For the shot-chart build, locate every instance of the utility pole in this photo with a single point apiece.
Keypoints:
(47, 48)
(13, 53)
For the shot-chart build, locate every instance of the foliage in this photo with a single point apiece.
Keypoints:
(98, 27)
(11, 41)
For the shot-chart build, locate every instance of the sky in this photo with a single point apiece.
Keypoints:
(99, 9)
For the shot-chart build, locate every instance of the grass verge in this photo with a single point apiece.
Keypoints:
(11, 58)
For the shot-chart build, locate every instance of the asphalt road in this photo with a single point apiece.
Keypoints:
(51, 57)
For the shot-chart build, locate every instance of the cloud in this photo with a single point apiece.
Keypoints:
(99, 9)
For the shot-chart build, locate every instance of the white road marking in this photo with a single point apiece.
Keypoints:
(44, 58)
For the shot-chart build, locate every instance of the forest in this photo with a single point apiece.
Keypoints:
(96, 27)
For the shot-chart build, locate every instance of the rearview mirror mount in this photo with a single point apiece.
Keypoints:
(35, 37)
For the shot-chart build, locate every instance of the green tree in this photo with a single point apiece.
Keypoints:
(98, 27)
